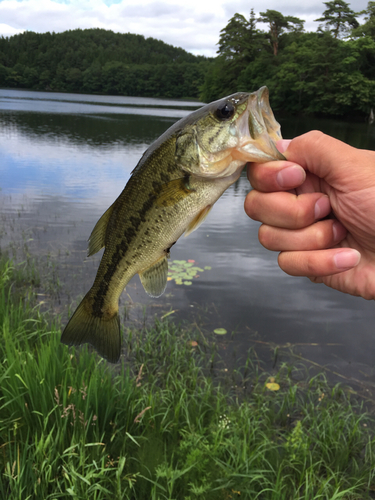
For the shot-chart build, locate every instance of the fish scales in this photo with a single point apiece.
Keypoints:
(170, 192)
(122, 236)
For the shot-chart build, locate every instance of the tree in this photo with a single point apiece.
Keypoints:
(368, 28)
(340, 17)
(233, 37)
(278, 24)
(98, 60)
(239, 44)
(240, 40)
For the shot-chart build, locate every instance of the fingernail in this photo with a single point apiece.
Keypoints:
(283, 145)
(347, 259)
(291, 177)
(322, 207)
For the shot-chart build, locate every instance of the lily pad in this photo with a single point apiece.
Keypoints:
(183, 272)
(220, 331)
(273, 386)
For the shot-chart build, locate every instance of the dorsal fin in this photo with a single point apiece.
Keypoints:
(97, 237)
(154, 279)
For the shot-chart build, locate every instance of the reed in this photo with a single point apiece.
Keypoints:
(167, 423)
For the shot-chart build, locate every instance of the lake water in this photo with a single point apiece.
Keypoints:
(64, 158)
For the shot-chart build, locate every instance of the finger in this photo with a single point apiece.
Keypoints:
(318, 263)
(275, 175)
(318, 236)
(332, 160)
(286, 210)
(312, 184)
(283, 144)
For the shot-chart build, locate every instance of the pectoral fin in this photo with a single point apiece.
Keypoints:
(97, 237)
(198, 220)
(172, 192)
(154, 279)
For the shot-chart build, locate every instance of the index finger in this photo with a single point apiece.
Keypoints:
(275, 176)
(339, 164)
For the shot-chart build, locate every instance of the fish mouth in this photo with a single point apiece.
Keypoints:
(254, 135)
(258, 130)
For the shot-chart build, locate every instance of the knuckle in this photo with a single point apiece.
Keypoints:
(302, 216)
(251, 205)
(265, 236)
(321, 239)
(315, 279)
(247, 202)
(316, 135)
(310, 268)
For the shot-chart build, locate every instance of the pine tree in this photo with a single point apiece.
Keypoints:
(278, 24)
(340, 17)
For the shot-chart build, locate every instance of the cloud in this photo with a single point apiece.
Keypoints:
(7, 30)
(307, 10)
(185, 25)
(193, 25)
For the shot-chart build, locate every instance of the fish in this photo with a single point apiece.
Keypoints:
(169, 193)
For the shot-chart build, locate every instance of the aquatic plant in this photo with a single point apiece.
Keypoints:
(184, 271)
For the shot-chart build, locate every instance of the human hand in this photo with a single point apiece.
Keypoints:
(321, 175)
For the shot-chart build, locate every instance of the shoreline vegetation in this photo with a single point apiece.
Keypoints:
(169, 422)
(328, 72)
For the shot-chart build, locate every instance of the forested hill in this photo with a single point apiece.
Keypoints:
(99, 61)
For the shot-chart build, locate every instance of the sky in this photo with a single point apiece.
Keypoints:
(193, 25)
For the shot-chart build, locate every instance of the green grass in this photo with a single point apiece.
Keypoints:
(169, 423)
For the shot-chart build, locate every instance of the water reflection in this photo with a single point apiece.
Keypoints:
(7, 95)
(60, 171)
(84, 129)
(359, 135)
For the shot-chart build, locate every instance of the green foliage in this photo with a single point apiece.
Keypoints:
(368, 28)
(240, 40)
(307, 73)
(239, 44)
(278, 24)
(159, 427)
(99, 61)
(340, 17)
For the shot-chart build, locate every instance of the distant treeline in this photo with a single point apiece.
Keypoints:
(100, 61)
(328, 72)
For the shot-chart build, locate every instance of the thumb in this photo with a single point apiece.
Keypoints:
(330, 159)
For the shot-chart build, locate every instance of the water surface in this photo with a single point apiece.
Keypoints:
(64, 160)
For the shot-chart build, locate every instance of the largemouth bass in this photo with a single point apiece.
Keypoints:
(170, 192)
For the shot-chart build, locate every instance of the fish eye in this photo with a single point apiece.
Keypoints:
(224, 111)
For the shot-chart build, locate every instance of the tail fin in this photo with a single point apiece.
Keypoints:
(102, 334)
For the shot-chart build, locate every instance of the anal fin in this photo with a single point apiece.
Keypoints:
(154, 279)
(198, 220)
